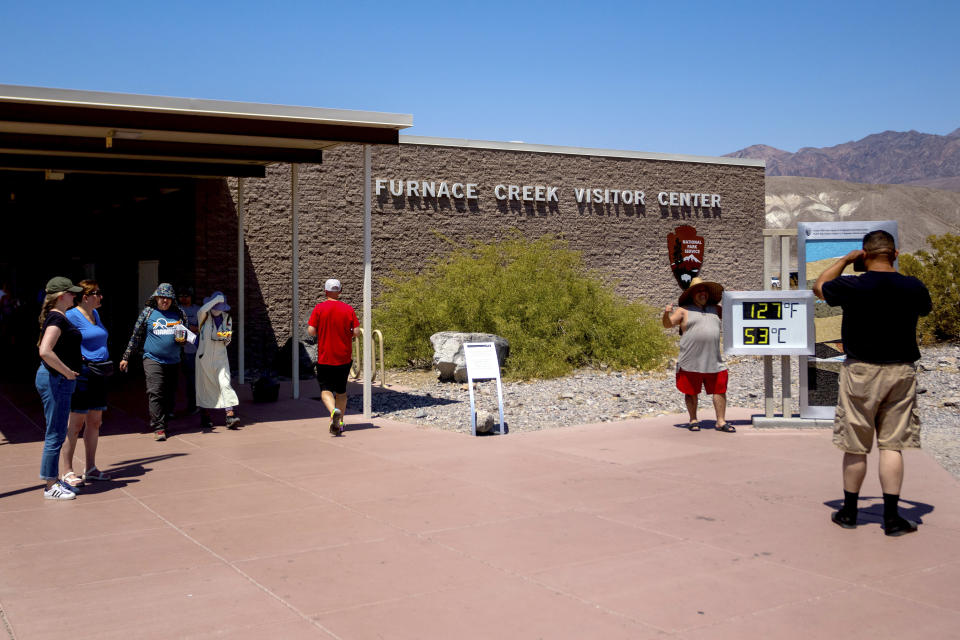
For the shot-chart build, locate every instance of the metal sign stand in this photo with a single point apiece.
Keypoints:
(482, 364)
(768, 324)
(770, 238)
(783, 238)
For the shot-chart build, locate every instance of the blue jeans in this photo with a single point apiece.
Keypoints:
(55, 391)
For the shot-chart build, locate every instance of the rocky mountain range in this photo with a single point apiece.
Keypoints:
(891, 157)
(910, 177)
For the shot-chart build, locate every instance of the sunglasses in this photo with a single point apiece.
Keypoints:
(95, 293)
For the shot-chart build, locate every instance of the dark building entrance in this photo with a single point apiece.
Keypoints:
(127, 199)
(119, 230)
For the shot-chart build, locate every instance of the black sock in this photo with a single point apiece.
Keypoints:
(850, 500)
(890, 509)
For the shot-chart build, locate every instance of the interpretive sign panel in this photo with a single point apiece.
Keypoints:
(768, 323)
(482, 364)
(481, 360)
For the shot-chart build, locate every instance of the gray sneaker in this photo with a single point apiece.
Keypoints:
(336, 422)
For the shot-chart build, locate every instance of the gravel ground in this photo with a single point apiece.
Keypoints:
(589, 396)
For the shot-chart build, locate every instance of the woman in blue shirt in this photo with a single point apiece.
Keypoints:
(154, 334)
(90, 397)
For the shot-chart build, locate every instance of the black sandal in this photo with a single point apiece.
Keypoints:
(694, 426)
(726, 427)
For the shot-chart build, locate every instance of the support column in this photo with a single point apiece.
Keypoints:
(785, 383)
(295, 303)
(768, 399)
(367, 292)
(239, 316)
(785, 263)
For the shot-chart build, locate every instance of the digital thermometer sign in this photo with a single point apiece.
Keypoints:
(768, 322)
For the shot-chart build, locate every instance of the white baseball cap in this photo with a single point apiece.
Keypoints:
(332, 285)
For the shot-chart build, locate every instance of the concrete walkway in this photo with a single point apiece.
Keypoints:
(637, 529)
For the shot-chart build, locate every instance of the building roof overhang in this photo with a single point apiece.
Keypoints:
(66, 130)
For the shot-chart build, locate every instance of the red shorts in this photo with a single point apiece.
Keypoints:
(690, 382)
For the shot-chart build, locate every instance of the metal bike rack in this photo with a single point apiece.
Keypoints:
(357, 368)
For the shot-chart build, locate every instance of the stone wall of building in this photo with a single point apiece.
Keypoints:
(624, 242)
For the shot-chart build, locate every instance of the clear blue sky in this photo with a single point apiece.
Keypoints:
(701, 78)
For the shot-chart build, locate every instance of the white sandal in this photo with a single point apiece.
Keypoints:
(71, 479)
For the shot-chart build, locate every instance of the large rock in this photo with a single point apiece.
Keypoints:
(485, 421)
(306, 352)
(448, 358)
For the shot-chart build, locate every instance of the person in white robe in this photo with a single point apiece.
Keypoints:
(213, 387)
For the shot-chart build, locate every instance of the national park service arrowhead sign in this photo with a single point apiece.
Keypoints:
(685, 249)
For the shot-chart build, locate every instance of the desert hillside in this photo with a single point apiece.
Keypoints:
(919, 211)
(814, 269)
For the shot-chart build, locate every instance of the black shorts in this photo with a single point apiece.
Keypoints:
(90, 394)
(333, 377)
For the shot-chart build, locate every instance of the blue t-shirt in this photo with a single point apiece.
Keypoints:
(160, 344)
(94, 344)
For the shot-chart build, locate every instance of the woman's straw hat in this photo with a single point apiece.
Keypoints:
(714, 291)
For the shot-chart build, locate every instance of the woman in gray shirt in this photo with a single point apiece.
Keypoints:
(700, 364)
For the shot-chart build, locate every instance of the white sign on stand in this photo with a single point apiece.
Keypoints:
(482, 364)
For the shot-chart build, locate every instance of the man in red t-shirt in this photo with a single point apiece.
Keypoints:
(334, 324)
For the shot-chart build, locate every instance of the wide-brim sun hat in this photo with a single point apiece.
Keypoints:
(220, 306)
(165, 290)
(714, 291)
(59, 284)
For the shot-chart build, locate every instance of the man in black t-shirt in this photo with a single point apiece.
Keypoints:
(878, 387)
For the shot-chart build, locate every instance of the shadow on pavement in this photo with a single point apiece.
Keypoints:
(712, 424)
(873, 513)
(17, 492)
(359, 426)
(121, 474)
(390, 400)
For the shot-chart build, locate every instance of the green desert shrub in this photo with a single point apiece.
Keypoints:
(938, 269)
(537, 294)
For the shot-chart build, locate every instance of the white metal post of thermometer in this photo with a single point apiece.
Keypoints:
(482, 364)
(768, 323)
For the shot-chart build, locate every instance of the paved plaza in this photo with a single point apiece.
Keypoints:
(636, 529)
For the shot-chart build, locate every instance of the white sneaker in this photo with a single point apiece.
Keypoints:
(59, 492)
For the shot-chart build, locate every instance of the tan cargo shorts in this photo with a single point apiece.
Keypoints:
(877, 398)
